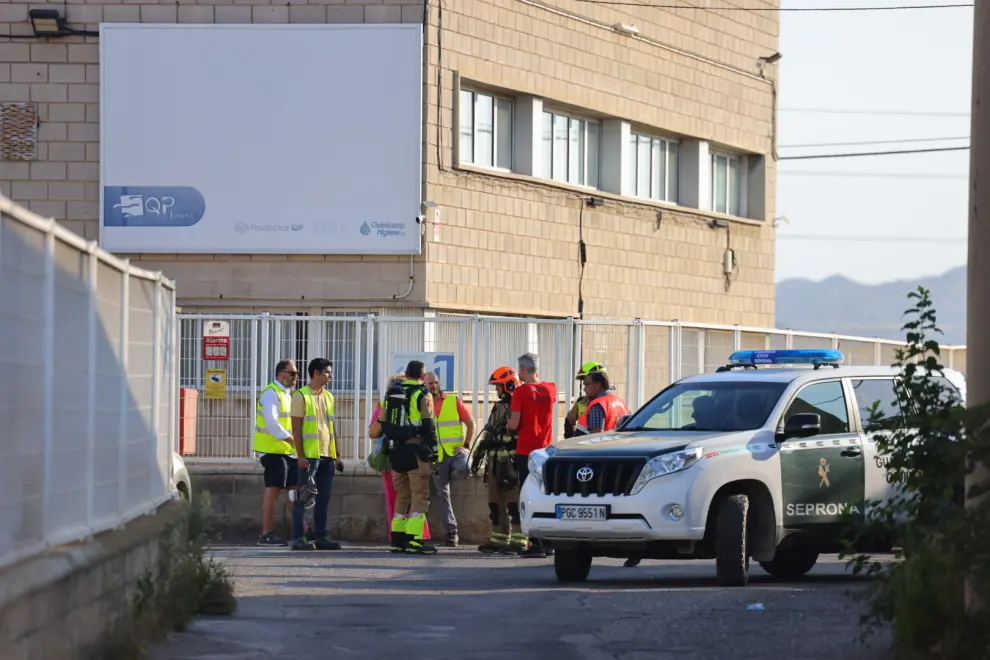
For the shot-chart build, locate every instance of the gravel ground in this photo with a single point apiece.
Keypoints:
(362, 602)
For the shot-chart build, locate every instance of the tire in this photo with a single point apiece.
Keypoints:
(571, 565)
(791, 565)
(731, 548)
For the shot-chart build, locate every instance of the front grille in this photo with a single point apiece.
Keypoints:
(609, 476)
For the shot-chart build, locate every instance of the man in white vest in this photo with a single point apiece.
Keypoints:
(272, 444)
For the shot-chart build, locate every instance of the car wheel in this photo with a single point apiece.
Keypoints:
(731, 550)
(791, 564)
(571, 565)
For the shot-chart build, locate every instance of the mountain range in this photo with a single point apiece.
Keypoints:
(838, 304)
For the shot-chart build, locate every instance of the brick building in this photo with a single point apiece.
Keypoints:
(556, 124)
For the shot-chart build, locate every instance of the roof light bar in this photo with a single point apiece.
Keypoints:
(817, 357)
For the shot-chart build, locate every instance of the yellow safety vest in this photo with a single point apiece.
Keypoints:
(415, 417)
(449, 428)
(263, 441)
(311, 430)
(582, 405)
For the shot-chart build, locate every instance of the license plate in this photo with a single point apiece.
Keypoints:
(579, 512)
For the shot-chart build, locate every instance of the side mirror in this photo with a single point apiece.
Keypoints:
(622, 421)
(803, 425)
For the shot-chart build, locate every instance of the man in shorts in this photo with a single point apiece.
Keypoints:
(273, 446)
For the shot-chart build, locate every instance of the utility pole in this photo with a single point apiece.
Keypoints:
(978, 268)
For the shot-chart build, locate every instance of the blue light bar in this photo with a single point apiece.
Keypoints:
(794, 356)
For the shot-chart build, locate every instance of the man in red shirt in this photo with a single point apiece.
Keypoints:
(531, 418)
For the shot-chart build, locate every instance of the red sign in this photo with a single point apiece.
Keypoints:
(216, 348)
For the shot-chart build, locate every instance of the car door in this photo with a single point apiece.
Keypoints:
(822, 477)
(866, 392)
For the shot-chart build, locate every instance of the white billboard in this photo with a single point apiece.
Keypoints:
(301, 139)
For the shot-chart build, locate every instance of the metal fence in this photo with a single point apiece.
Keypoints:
(642, 357)
(89, 387)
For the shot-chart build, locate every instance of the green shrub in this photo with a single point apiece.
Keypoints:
(186, 584)
(920, 594)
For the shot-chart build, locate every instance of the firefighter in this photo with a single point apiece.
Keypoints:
(409, 422)
(499, 448)
(582, 402)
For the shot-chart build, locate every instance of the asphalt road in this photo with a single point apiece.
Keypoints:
(362, 603)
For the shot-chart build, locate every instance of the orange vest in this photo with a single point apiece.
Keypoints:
(614, 409)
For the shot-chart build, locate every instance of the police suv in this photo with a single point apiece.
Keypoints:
(745, 462)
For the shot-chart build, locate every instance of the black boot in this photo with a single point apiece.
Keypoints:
(420, 547)
(399, 541)
(452, 539)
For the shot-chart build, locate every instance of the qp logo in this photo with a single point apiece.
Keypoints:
(152, 206)
(365, 229)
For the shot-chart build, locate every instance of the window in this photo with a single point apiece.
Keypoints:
(485, 130)
(947, 392)
(878, 390)
(720, 406)
(726, 184)
(824, 399)
(652, 164)
(570, 150)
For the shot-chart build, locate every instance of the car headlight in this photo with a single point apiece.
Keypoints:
(666, 464)
(536, 461)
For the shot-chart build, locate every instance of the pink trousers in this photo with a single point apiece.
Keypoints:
(390, 501)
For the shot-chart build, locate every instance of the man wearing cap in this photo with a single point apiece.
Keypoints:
(581, 404)
(452, 418)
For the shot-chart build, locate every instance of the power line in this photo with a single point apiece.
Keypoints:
(860, 144)
(872, 239)
(872, 175)
(876, 153)
(854, 111)
(769, 9)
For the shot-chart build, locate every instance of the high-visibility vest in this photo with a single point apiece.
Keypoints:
(264, 442)
(415, 417)
(582, 405)
(449, 429)
(311, 430)
(614, 408)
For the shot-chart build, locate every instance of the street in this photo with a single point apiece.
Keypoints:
(362, 602)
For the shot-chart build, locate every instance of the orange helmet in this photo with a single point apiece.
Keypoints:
(506, 377)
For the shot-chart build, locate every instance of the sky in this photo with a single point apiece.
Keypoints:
(878, 63)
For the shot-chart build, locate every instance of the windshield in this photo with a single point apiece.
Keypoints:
(699, 406)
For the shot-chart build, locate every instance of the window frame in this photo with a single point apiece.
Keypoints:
(864, 422)
(852, 414)
(547, 174)
(635, 136)
(729, 157)
(496, 97)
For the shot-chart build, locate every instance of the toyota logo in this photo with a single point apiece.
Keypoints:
(585, 474)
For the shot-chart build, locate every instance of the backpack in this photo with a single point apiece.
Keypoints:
(395, 414)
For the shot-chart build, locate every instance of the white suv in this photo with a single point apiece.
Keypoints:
(745, 462)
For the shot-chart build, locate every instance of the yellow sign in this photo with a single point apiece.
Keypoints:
(216, 383)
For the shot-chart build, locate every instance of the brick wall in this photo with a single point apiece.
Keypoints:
(508, 245)
(524, 235)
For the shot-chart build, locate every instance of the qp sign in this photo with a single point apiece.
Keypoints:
(442, 364)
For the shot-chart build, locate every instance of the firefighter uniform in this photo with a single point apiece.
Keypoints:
(412, 468)
(501, 477)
